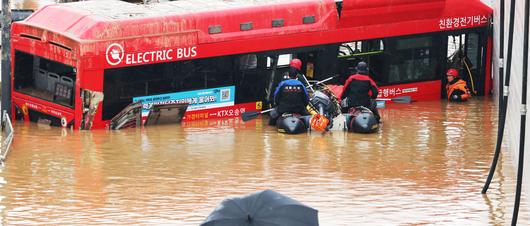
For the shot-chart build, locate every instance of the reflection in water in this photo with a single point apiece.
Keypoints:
(426, 166)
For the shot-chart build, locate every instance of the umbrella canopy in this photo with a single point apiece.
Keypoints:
(265, 208)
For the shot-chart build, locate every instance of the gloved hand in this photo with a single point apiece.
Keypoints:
(455, 97)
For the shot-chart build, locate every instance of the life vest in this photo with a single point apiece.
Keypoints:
(459, 85)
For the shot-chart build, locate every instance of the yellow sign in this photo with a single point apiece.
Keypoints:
(259, 105)
(310, 69)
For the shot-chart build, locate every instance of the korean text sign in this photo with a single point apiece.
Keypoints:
(197, 99)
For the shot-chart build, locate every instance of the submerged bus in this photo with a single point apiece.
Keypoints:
(80, 64)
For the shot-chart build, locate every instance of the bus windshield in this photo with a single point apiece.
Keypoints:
(45, 79)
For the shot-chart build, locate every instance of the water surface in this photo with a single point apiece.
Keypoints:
(425, 167)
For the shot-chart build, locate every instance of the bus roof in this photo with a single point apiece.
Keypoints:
(123, 10)
(239, 26)
(113, 19)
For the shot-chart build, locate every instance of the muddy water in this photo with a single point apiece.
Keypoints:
(426, 166)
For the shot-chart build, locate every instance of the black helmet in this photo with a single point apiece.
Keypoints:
(362, 68)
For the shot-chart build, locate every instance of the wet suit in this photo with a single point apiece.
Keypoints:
(360, 90)
(290, 97)
(457, 90)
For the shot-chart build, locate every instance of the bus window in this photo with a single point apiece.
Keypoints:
(351, 53)
(361, 48)
(247, 62)
(454, 43)
(411, 60)
(349, 48)
(393, 60)
(44, 79)
(121, 85)
(373, 46)
(283, 60)
(251, 78)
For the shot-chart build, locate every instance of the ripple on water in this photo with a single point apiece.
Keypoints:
(425, 167)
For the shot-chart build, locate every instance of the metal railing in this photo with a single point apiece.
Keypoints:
(7, 136)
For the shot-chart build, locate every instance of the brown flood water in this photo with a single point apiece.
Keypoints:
(426, 167)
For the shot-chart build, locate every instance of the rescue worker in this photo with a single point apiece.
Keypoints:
(295, 71)
(290, 97)
(360, 90)
(456, 88)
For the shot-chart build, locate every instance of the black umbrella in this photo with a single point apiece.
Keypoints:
(265, 208)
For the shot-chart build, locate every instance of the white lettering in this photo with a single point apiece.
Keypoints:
(194, 51)
(160, 55)
(145, 59)
(179, 53)
(186, 52)
(152, 53)
(168, 54)
(140, 58)
(128, 59)
(133, 59)
(410, 90)
(164, 54)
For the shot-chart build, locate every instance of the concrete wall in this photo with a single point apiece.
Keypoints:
(514, 103)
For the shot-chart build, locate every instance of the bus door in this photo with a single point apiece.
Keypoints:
(273, 80)
(466, 52)
(351, 53)
(91, 100)
(251, 77)
(320, 62)
(277, 66)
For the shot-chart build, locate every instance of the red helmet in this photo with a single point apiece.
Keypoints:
(296, 63)
(452, 72)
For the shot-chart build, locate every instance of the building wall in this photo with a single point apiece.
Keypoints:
(513, 119)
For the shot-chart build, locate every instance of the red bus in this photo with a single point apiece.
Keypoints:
(80, 64)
